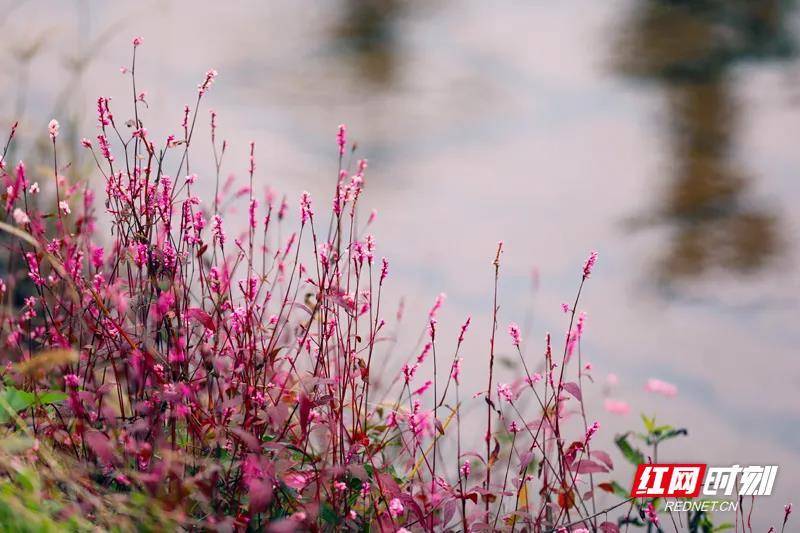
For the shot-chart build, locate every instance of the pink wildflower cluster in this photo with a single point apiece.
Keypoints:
(240, 375)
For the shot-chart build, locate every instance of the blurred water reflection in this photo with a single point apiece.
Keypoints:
(366, 31)
(689, 50)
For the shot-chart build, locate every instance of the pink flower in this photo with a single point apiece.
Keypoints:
(103, 113)
(409, 371)
(341, 138)
(207, 82)
(252, 212)
(504, 392)
(21, 217)
(513, 427)
(424, 353)
(437, 304)
(466, 468)
(64, 207)
(513, 330)
(464, 329)
(53, 129)
(455, 371)
(86, 143)
(420, 422)
(384, 269)
(165, 302)
(565, 307)
(575, 335)
(72, 381)
(591, 430)
(534, 379)
(661, 387)
(97, 256)
(104, 149)
(396, 507)
(424, 388)
(340, 486)
(216, 229)
(589, 264)
(618, 407)
(33, 269)
(651, 514)
(306, 212)
(137, 41)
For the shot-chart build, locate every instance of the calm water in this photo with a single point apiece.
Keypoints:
(664, 137)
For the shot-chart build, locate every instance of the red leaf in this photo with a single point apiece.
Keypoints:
(260, 495)
(609, 527)
(604, 458)
(202, 317)
(588, 467)
(566, 500)
(248, 439)
(608, 487)
(100, 445)
(305, 410)
(573, 389)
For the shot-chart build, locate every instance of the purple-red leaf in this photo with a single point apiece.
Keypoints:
(588, 467)
(305, 409)
(604, 458)
(260, 495)
(574, 389)
(202, 317)
(100, 445)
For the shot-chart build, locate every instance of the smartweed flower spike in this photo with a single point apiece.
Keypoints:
(513, 331)
(589, 264)
(53, 129)
(207, 82)
(590, 431)
(306, 213)
(341, 138)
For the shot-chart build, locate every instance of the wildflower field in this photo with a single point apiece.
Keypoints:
(180, 362)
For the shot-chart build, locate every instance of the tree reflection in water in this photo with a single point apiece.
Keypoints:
(689, 49)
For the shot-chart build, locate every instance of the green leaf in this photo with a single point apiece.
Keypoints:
(723, 527)
(671, 433)
(17, 400)
(619, 490)
(51, 397)
(328, 515)
(630, 453)
(649, 423)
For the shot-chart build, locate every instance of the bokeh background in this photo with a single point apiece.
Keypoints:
(663, 133)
